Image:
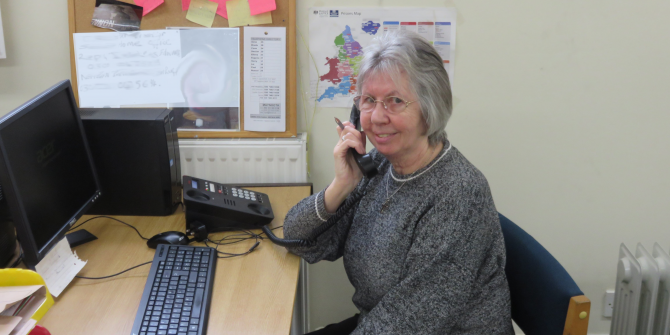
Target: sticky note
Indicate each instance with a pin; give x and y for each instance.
(148, 5)
(261, 6)
(202, 12)
(184, 4)
(221, 10)
(239, 14)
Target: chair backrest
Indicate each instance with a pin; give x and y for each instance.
(540, 287)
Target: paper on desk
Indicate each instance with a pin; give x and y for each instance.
(59, 267)
(10, 295)
(265, 78)
(261, 6)
(8, 323)
(202, 12)
(239, 14)
(16, 327)
(22, 310)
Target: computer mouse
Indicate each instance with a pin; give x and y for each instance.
(168, 237)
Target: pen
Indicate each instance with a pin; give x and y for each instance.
(339, 123)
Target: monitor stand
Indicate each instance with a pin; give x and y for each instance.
(79, 237)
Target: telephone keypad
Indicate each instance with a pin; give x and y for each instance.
(245, 194)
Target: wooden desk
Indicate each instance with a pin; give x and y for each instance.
(253, 294)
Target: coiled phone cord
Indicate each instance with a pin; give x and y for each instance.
(318, 231)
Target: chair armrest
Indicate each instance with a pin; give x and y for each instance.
(577, 320)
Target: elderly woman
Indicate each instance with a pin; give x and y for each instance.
(423, 246)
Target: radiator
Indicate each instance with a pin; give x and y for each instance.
(245, 160)
(642, 296)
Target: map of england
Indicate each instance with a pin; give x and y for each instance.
(338, 36)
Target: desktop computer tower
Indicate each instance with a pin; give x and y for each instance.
(136, 154)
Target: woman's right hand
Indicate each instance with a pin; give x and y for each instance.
(347, 173)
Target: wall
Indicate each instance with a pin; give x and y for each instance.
(38, 52)
(562, 105)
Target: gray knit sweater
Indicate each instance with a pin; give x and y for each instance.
(430, 261)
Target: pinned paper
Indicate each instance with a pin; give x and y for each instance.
(59, 266)
(185, 4)
(239, 14)
(261, 6)
(202, 12)
(221, 10)
(148, 5)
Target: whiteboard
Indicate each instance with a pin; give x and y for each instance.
(183, 68)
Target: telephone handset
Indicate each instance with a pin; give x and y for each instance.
(364, 162)
(367, 166)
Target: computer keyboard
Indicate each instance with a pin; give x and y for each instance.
(178, 292)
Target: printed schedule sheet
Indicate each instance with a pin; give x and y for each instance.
(265, 79)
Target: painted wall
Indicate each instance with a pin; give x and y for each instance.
(38, 49)
(562, 105)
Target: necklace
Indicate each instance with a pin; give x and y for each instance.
(388, 198)
(424, 171)
(387, 191)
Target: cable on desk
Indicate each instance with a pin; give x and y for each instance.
(263, 233)
(116, 274)
(111, 218)
(230, 255)
(234, 239)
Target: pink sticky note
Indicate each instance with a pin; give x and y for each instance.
(185, 4)
(261, 6)
(221, 10)
(149, 5)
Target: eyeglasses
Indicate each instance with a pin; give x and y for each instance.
(393, 105)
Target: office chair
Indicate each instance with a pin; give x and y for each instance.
(545, 299)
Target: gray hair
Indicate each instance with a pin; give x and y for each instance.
(395, 52)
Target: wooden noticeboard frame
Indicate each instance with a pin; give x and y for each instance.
(169, 14)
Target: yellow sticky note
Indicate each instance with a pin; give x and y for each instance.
(239, 14)
(202, 12)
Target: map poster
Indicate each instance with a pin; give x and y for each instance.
(337, 37)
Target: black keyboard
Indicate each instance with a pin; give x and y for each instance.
(178, 292)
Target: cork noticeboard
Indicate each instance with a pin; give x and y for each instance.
(170, 14)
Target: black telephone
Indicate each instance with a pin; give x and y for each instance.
(364, 162)
(212, 207)
(367, 166)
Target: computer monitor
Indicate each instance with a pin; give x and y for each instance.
(46, 170)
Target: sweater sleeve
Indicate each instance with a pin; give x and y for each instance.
(306, 216)
(452, 281)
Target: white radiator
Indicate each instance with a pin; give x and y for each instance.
(245, 160)
(642, 296)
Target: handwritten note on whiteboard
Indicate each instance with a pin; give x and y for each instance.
(128, 68)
